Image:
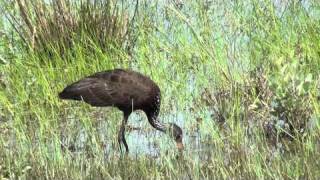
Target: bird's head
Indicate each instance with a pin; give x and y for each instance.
(175, 132)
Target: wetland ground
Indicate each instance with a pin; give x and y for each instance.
(240, 77)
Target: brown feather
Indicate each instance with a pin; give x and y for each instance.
(120, 88)
(127, 90)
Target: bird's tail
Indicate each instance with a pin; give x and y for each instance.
(64, 94)
(68, 93)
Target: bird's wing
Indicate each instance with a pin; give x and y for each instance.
(93, 91)
(106, 89)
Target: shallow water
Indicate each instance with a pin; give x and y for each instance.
(142, 139)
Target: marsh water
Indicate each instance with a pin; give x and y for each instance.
(46, 136)
(143, 140)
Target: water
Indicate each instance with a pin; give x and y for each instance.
(142, 138)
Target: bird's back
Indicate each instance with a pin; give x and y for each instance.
(121, 88)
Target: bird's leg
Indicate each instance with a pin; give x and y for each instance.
(121, 137)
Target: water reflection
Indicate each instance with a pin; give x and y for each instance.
(142, 139)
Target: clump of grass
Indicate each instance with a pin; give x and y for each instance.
(47, 26)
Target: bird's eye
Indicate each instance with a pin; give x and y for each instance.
(178, 137)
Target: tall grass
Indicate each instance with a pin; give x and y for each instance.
(241, 78)
(59, 25)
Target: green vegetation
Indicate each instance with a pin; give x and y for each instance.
(240, 77)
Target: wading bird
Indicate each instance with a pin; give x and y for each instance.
(128, 91)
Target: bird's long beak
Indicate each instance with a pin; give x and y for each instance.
(180, 146)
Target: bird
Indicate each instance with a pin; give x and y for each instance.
(128, 91)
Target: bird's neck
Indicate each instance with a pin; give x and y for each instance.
(153, 120)
(153, 112)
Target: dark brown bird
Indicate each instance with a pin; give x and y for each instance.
(128, 91)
